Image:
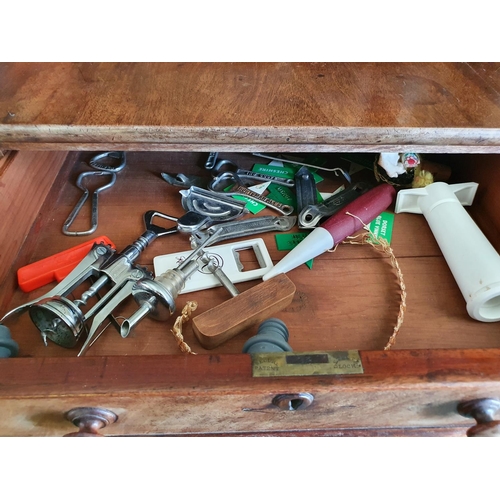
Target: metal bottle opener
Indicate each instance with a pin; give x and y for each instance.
(311, 215)
(305, 187)
(80, 183)
(225, 257)
(103, 166)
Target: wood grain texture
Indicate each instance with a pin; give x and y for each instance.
(489, 72)
(22, 194)
(248, 106)
(486, 206)
(348, 300)
(217, 394)
(243, 312)
(450, 431)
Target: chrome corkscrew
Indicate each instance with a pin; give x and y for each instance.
(63, 320)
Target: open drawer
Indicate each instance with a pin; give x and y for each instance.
(348, 301)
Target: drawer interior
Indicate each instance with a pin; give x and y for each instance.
(350, 298)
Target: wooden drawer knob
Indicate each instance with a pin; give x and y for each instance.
(483, 411)
(292, 402)
(89, 421)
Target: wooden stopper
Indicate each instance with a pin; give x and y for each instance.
(223, 322)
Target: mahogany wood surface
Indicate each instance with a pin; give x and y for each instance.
(349, 300)
(244, 311)
(217, 394)
(451, 431)
(250, 106)
(489, 72)
(219, 373)
(22, 193)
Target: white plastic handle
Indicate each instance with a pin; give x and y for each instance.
(473, 261)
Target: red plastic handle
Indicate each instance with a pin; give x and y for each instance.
(57, 266)
(366, 208)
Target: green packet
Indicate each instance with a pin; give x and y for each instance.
(253, 206)
(381, 226)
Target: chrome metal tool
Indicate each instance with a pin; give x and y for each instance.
(224, 173)
(64, 320)
(184, 180)
(80, 183)
(211, 160)
(312, 215)
(229, 170)
(242, 228)
(235, 187)
(218, 206)
(156, 297)
(105, 164)
(305, 187)
(110, 161)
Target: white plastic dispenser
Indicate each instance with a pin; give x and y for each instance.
(473, 261)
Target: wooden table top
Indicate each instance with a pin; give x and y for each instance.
(251, 106)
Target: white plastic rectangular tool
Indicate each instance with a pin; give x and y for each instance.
(227, 257)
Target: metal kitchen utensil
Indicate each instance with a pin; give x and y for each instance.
(242, 228)
(223, 173)
(312, 215)
(218, 206)
(103, 166)
(211, 161)
(156, 297)
(110, 161)
(63, 320)
(236, 188)
(80, 183)
(226, 256)
(224, 168)
(305, 189)
(184, 180)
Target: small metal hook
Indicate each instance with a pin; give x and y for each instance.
(83, 199)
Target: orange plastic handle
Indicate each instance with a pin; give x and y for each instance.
(57, 266)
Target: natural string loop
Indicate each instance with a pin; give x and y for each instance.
(177, 328)
(381, 245)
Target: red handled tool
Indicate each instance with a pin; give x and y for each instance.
(57, 266)
(337, 228)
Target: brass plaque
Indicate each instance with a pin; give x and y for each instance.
(290, 364)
